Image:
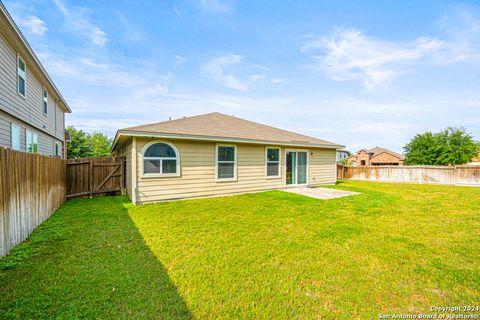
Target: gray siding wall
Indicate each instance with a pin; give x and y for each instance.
(45, 141)
(27, 111)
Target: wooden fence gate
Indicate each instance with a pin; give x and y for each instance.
(89, 177)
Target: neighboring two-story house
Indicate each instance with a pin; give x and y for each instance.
(32, 110)
(342, 154)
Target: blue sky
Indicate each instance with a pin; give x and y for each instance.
(359, 73)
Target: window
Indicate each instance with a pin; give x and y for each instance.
(15, 136)
(160, 158)
(226, 162)
(273, 162)
(45, 101)
(22, 77)
(56, 149)
(31, 140)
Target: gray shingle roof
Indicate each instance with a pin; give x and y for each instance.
(223, 126)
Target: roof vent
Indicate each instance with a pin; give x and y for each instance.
(301, 141)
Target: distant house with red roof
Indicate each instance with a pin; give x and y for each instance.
(377, 157)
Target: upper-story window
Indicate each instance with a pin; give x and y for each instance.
(56, 149)
(45, 101)
(161, 159)
(22, 76)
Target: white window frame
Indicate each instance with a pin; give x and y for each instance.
(34, 140)
(12, 126)
(160, 174)
(45, 101)
(56, 149)
(279, 174)
(234, 163)
(23, 75)
(309, 154)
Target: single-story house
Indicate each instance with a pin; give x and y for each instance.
(216, 154)
(376, 157)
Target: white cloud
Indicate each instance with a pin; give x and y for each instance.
(278, 80)
(132, 31)
(97, 36)
(348, 54)
(233, 72)
(61, 7)
(179, 60)
(78, 21)
(462, 29)
(177, 11)
(57, 65)
(217, 6)
(24, 16)
(33, 24)
(106, 74)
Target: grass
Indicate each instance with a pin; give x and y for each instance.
(394, 248)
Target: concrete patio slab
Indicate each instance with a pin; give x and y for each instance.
(320, 193)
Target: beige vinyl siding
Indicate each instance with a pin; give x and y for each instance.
(127, 153)
(322, 167)
(30, 108)
(45, 142)
(197, 173)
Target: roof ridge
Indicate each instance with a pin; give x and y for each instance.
(272, 127)
(217, 124)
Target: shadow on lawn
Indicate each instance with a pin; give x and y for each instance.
(87, 261)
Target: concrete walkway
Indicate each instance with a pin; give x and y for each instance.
(320, 193)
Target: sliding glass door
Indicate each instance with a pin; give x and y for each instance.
(296, 167)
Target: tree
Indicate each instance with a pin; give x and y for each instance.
(78, 146)
(451, 146)
(83, 144)
(100, 144)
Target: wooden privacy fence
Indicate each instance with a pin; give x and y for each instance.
(32, 187)
(457, 176)
(95, 176)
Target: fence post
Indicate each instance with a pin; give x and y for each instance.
(454, 175)
(90, 179)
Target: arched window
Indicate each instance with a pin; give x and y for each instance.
(161, 158)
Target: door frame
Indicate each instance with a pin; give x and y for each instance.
(307, 167)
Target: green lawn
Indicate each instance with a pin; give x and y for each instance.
(394, 248)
